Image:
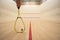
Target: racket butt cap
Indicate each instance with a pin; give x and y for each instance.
(18, 7)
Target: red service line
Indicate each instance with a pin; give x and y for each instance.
(30, 32)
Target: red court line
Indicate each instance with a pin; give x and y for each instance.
(30, 32)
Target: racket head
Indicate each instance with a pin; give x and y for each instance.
(19, 25)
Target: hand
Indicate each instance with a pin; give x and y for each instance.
(18, 3)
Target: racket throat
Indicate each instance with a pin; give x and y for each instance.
(18, 12)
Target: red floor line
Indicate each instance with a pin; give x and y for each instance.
(30, 32)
